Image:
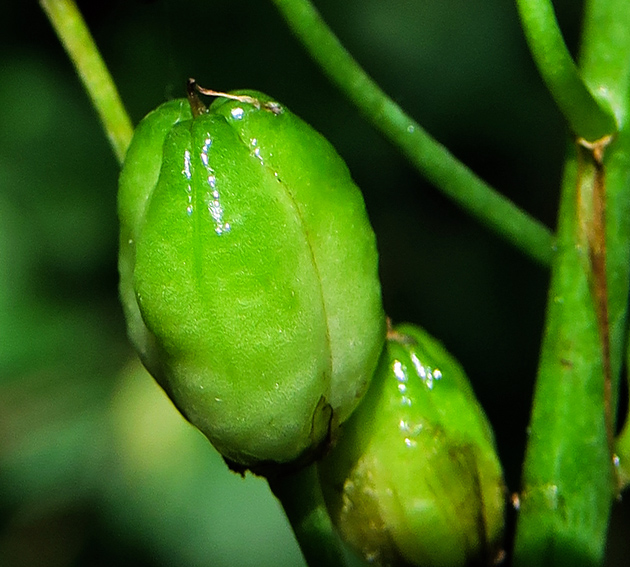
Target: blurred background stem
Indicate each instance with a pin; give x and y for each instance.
(427, 155)
(69, 25)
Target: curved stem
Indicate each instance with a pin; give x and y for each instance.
(69, 25)
(301, 497)
(432, 159)
(588, 117)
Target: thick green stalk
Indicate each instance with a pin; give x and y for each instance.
(605, 60)
(69, 25)
(569, 480)
(432, 159)
(605, 66)
(301, 497)
(618, 276)
(588, 117)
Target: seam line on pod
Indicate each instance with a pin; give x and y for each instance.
(305, 232)
(315, 266)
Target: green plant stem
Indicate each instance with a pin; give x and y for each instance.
(588, 116)
(569, 481)
(432, 159)
(567, 476)
(605, 62)
(301, 497)
(605, 54)
(618, 267)
(69, 25)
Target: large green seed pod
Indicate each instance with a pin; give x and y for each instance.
(249, 274)
(414, 478)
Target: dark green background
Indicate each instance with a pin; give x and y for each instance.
(96, 469)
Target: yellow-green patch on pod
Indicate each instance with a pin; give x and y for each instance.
(249, 275)
(414, 478)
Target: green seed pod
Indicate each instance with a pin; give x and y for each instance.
(414, 478)
(249, 274)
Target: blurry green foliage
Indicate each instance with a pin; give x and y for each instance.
(96, 468)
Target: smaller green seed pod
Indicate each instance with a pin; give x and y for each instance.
(248, 275)
(414, 478)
